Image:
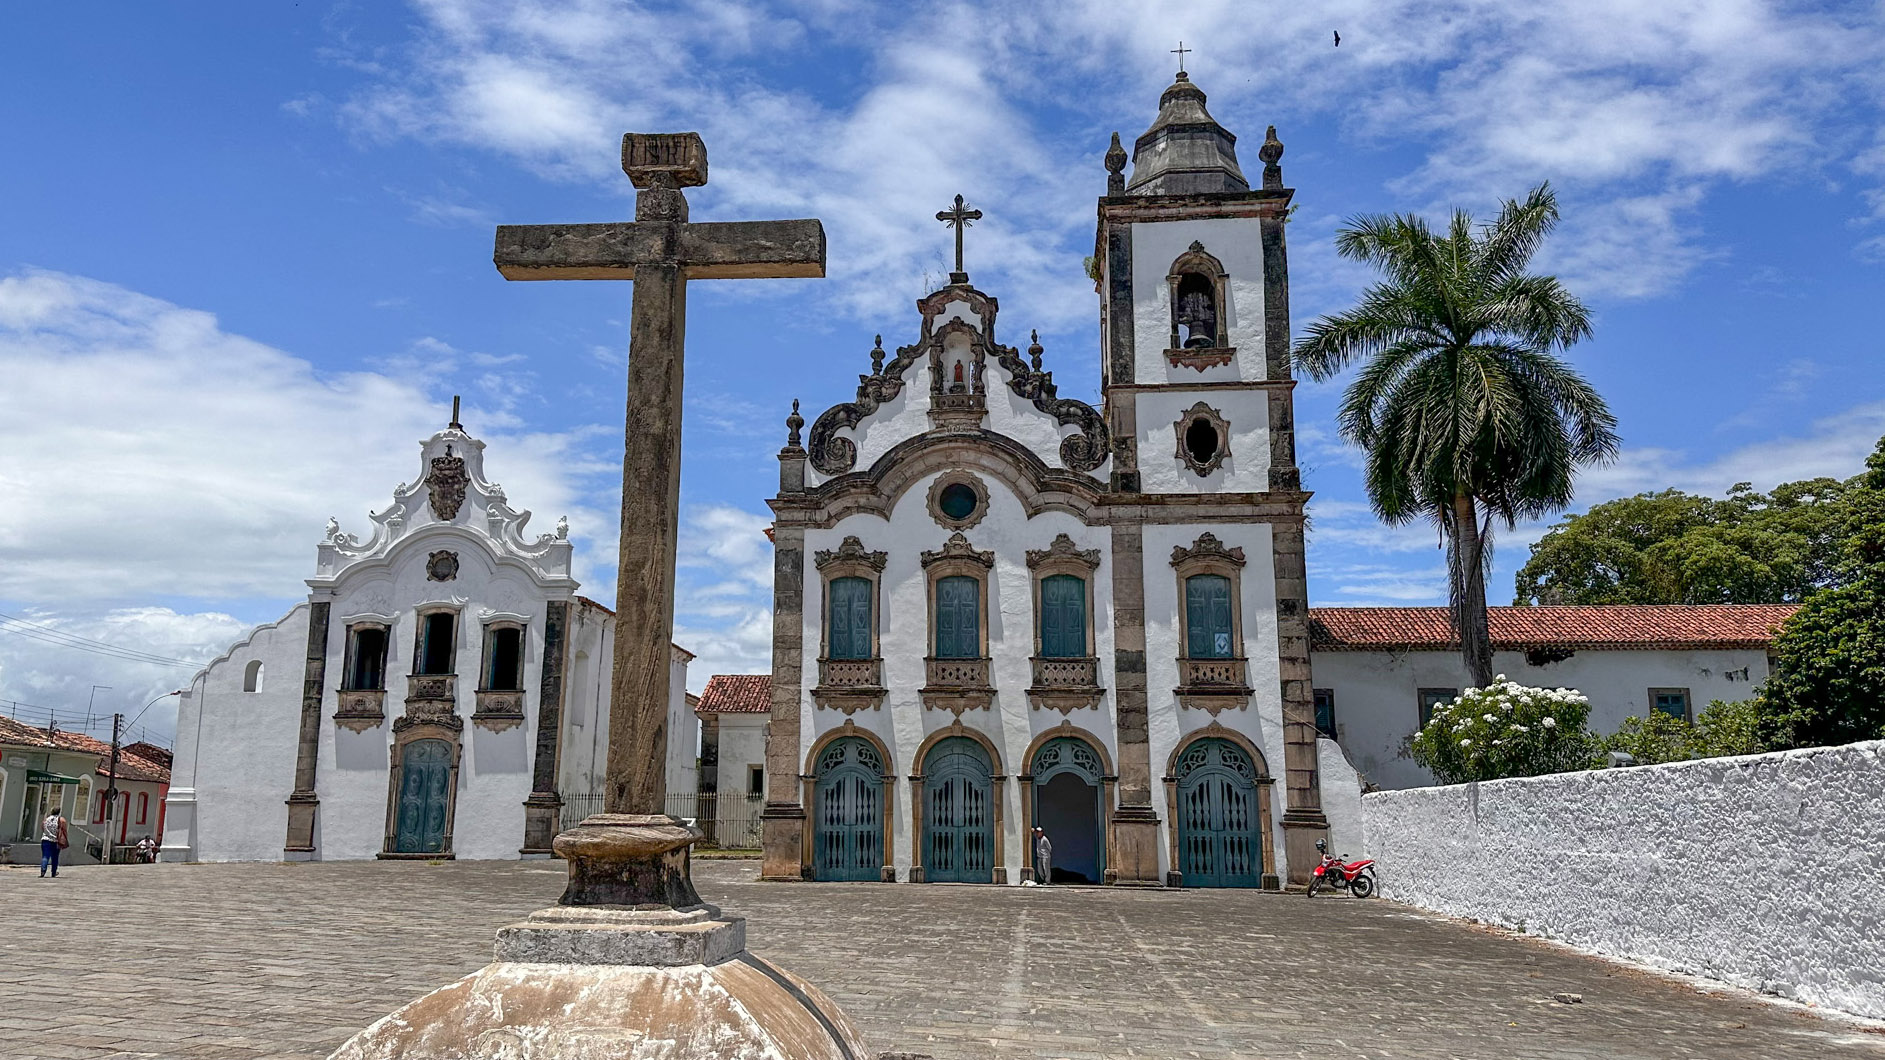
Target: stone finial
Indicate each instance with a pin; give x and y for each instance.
(562, 528)
(792, 424)
(1271, 153)
(1034, 348)
(877, 357)
(1116, 168)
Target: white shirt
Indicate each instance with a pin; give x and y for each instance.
(49, 828)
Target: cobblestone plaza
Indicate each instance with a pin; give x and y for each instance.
(220, 962)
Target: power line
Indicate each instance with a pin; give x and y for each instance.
(60, 638)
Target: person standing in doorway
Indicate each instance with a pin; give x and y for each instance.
(1043, 857)
(52, 839)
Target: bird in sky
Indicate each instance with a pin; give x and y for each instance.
(1338, 38)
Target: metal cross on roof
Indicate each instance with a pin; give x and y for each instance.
(958, 219)
(1180, 52)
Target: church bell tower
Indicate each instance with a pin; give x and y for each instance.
(1194, 286)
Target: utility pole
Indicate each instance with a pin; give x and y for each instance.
(111, 782)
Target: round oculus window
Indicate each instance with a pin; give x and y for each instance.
(958, 501)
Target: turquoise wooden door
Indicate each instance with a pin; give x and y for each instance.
(425, 788)
(1063, 617)
(1068, 806)
(850, 621)
(958, 618)
(959, 818)
(1220, 842)
(848, 816)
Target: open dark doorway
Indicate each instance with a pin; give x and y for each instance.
(1068, 807)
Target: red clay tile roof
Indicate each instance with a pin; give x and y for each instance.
(131, 765)
(1589, 628)
(736, 694)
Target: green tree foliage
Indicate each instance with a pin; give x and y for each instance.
(1680, 548)
(1506, 730)
(1827, 685)
(1721, 729)
(1467, 414)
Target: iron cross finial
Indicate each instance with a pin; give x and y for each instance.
(958, 219)
(1180, 52)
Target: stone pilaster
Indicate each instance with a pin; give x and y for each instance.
(303, 802)
(783, 819)
(1135, 825)
(543, 810)
(1303, 820)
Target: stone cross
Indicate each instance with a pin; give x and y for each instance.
(660, 251)
(958, 219)
(1180, 52)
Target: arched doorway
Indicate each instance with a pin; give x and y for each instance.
(1220, 821)
(958, 813)
(425, 789)
(1068, 807)
(848, 812)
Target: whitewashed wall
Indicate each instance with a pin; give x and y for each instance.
(1377, 706)
(1237, 242)
(903, 630)
(1167, 722)
(742, 746)
(1245, 470)
(1766, 871)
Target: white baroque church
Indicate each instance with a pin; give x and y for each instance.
(442, 692)
(997, 608)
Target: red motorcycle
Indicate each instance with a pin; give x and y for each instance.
(1355, 877)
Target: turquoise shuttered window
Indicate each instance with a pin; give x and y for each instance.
(958, 618)
(1208, 617)
(1063, 617)
(850, 619)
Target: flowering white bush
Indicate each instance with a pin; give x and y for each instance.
(1506, 730)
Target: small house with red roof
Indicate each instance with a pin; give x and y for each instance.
(1379, 671)
(43, 768)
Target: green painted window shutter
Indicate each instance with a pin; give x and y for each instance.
(1063, 617)
(1208, 617)
(958, 618)
(850, 618)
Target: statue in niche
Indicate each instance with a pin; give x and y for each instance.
(957, 386)
(1197, 311)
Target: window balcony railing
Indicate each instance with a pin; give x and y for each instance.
(1065, 685)
(956, 685)
(850, 673)
(431, 686)
(1214, 684)
(361, 708)
(1066, 673)
(850, 685)
(498, 709)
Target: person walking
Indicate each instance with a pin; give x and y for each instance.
(52, 839)
(1043, 857)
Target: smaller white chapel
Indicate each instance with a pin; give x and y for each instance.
(443, 692)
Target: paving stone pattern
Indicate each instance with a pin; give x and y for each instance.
(219, 962)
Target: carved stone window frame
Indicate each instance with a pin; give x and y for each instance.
(957, 558)
(850, 560)
(360, 709)
(1202, 411)
(1063, 557)
(1047, 692)
(1208, 555)
(425, 611)
(498, 709)
(953, 478)
(1198, 261)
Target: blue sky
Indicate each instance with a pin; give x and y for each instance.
(245, 260)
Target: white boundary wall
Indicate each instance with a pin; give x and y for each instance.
(1766, 871)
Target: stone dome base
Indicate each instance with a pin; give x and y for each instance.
(742, 1008)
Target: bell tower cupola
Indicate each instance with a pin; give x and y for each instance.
(1185, 151)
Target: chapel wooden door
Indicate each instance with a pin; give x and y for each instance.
(1219, 839)
(425, 788)
(848, 816)
(959, 820)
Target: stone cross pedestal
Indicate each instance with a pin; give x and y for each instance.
(630, 964)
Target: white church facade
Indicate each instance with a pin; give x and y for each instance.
(443, 692)
(997, 608)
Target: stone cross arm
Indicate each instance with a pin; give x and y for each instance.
(704, 250)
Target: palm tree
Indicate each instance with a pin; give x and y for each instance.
(1466, 412)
